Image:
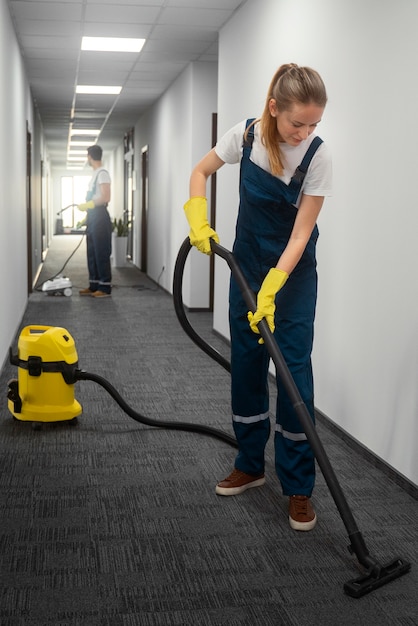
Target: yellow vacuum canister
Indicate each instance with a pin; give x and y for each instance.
(44, 390)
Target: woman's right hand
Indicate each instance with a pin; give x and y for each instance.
(196, 210)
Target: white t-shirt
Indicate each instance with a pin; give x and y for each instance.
(100, 176)
(318, 179)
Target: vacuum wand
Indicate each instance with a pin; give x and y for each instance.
(377, 575)
(65, 208)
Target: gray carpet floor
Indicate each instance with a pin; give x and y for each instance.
(109, 522)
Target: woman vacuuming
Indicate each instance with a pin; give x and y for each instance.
(284, 177)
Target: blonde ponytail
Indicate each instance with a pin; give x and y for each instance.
(290, 85)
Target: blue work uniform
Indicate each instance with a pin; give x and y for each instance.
(265, 221)
(99, 245)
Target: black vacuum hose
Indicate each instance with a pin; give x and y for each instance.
(179, 308)
(180, 311)
(196, 428)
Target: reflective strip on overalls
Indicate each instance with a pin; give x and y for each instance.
(265, 221)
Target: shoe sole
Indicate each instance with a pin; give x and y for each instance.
(302, 525)
(235, 491)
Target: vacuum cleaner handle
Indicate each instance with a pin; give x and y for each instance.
(263, 327)
(65, 208)
(247, 293)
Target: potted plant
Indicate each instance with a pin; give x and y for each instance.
(120, 227)
(119, 242)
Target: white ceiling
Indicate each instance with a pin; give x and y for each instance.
(49, 34)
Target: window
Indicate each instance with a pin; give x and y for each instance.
(73, 192)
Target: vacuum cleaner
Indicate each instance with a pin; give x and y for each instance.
(44, 390)
(47, 363)
(48, 369)
(59, 286)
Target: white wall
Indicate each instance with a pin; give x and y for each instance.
(365, 356)
(15, 110)
(178, 132)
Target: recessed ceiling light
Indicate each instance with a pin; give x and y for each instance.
(98, 89)
(84, 131)
(79, 144)
(112, 44)
(75, 158)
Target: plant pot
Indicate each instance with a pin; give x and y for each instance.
(119, 251)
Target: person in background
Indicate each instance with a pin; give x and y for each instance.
(99, 228)
(285, 174)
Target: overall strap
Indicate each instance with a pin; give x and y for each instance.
(300, 172)
(248, 137)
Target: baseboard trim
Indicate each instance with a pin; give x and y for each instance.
(398, 478)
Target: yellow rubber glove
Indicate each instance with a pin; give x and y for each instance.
(84, 206)
(266, 305)
(196, 210)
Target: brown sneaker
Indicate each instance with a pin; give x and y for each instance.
(301, 513)
(85, 292)
(238, 482)
(101, 294)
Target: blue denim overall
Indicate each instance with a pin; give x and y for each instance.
(265, 221)
(99, 245)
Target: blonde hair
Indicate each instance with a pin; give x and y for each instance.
(290, 85)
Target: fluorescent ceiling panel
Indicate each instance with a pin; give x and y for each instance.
(79, 144)
(98, 89)
(112, 44)
(84, 131)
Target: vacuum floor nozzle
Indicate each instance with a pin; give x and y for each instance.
(370, 581)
